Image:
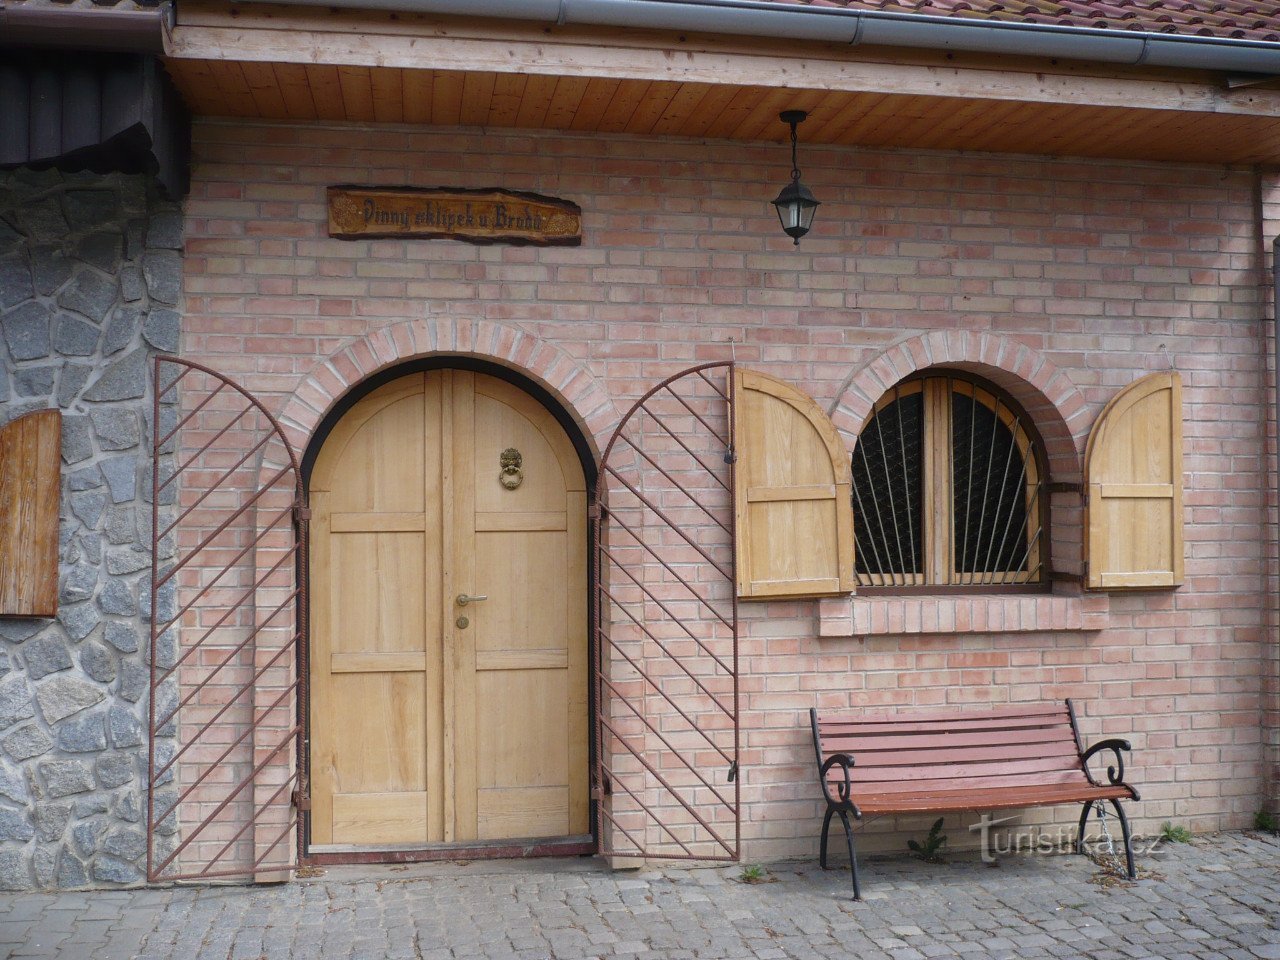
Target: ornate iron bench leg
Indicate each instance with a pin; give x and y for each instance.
(853, 857)
(1128, 840)
(826, 829)
(1084, 823)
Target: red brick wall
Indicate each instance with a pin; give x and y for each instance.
(1099, 272)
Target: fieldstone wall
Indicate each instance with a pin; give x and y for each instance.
(90, 277)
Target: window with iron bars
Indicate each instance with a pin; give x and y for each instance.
(948, 489)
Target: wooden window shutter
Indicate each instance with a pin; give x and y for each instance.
(793, 500)
(30, 485)
(1133, 474)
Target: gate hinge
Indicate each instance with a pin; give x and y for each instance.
(300, 800)
(733, 771)
(595, 511)
(302, 514)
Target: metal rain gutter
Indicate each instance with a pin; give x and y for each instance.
(84, 28)
(855, 27)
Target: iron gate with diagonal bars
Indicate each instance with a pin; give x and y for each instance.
(227, 715)
(227, 763)
(666, 626)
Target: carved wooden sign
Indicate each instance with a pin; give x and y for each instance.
(476, 216)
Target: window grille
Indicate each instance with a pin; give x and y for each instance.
(947, 489)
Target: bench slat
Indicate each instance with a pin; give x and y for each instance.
(828, 728)
(889, 760)
(1004, 798)
(950, 715)
(844, 743)
(879, 779)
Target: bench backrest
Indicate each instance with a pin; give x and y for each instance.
(1011, 746)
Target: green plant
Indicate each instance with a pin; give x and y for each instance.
(1174, 834)
(1266, 821)
(930, 850)
(754, 874)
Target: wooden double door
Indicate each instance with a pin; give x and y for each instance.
(449, 621)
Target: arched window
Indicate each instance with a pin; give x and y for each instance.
(948, 488)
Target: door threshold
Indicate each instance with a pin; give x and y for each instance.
(333, 854)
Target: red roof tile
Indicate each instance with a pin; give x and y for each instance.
(1223, 19)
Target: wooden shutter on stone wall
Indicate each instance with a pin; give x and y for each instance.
(1133, 475)
(793, 501)
(30, 484)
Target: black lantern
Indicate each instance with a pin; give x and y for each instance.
(796, 205)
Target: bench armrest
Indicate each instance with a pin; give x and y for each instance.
(844, 790)
(1115, 774)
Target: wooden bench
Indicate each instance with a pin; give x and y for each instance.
(948, 761)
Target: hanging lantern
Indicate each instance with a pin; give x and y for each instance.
(795, 203)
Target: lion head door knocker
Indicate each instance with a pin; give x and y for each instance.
(512, 474)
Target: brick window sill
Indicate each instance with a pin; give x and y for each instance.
(882, 616)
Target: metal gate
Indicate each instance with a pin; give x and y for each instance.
(227, 715)
(665, 630)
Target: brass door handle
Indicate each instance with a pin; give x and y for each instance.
(463, 599)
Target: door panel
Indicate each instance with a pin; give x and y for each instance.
(436, 721)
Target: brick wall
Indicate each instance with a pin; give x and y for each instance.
(1098, 272)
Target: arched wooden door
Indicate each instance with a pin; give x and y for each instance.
(436, 718)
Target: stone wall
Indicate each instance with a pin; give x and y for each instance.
(90, 274)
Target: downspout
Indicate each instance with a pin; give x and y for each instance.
(778, 21)
(86, 28)
(1273, 707)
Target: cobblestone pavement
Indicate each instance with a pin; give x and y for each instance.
(1215, 897)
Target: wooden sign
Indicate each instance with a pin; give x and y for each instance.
(475, 216)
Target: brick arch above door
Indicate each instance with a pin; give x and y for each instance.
(579, 391)
(1056, 407)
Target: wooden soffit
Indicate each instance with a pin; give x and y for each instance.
(309, 64)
